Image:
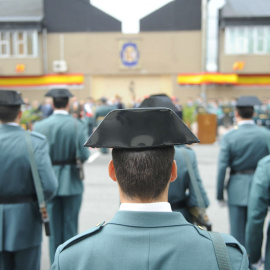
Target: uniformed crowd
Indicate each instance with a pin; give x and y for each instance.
(161, 192)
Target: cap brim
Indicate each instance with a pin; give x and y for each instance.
(141, 128)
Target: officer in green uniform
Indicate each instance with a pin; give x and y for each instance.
(259, 201)
(20, 220)
(66, 136)
(101, 111)
(240, 150)
(181, 195)
(144, 233)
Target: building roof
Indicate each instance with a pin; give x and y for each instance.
(178, 15)
(246, 8)
(21, 10)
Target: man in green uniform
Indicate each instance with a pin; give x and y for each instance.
(144, 233)
(259, 201)
(240, 150)
(66, 136)
(20, 220)
(181, 196)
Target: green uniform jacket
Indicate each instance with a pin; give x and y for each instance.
(20, 224)
(145, 240)
(62, 135)
(240, 149)
(259, 201)
(181, 189)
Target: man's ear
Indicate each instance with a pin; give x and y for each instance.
(174, 171)
(112, 171)
(19, 116)
(68, 105)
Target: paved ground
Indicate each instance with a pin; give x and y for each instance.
(101, 199)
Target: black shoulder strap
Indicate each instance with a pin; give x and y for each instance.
(37, 184)
(221, 251)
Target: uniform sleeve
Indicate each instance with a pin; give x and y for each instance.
(223, 163)
(257, 211)
(46, 172)
(83, 151)
(192, 200)
(55, 265)
(238, 257)
(237, 253)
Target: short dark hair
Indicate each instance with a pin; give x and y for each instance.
(143, 173)
(9, 113)
(60, 102)
(245, 112)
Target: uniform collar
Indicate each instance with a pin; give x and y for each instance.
(12, 124)
(60, 112)
(148, 219)
(7, 126)
(244, 122)
(146, 207)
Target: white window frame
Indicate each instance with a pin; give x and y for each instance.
(256, 39)
(5, 42)
(233, 45)
(15, 49)
(229, 31)
(35, 43)
(241, 43)
(17, 43)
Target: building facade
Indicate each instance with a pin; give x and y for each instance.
(50, 43)
(75, 44)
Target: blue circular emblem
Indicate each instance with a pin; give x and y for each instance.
(130, 54)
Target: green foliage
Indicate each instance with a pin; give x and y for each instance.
(30, 116)
(189, 114)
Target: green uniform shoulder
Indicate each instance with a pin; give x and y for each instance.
(232, 131)
(264, 160)
(187, 147)
(40, 123)
(38, 135)
(80, 122)
(74, 240)
(228, 239)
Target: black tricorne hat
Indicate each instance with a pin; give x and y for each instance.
(59, 93)
(141, 128)
(248, 101)
(10, 98)
(158, 101)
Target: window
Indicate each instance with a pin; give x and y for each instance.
(247, 40)
(4, 44)
(260, 40)
(19, 44)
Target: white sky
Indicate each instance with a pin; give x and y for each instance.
(129, 12)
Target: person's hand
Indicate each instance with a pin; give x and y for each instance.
(222, 203)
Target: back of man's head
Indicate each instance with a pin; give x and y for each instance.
(60, 102)
(9, 113)
(144, 173)
(245, 112)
